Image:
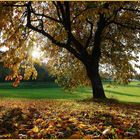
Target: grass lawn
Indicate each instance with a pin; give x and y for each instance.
(125, 93)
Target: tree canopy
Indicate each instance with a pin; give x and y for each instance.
(77, 37)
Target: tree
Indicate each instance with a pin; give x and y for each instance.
(137, 76)
(88, 30)
(3, 73)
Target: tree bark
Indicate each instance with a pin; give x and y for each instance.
(96, 83)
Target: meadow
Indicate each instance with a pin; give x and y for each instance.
(41, 90)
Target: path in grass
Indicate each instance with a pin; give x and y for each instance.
(128, 93)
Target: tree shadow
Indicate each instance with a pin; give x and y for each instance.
(138, 85)
(121, 93)
(111, 102)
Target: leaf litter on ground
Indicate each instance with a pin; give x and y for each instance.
(56, 119)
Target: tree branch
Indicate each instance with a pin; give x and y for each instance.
(67, 11)
(96, 52)
(80, 13)
(57, 9)
(125, 26)
(90, 35)
(62, 11)
(46, 16)
(73, 51)
(29, 25)
(63, 45)
(114, 14)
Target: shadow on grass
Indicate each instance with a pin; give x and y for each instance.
(110, 102)
(138, 85)
(121, 93)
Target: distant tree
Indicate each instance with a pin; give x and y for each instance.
(86, 34)
(137, 76)
(43, 75)
(3, 72)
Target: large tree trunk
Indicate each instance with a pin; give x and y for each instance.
(92, 65)
(96, 83)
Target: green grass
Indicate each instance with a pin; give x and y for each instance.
(36, 91)
(125, 93)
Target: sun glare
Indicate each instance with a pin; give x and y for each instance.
(4, 49)
(36, 54)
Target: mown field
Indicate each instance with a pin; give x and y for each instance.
(125, 93)
(34, 110)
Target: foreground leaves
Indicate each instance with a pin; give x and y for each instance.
(68, 119)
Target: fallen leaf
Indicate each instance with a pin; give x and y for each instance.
(35, 129)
